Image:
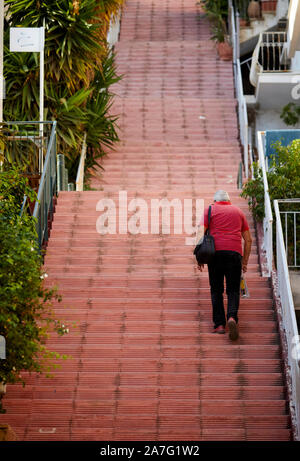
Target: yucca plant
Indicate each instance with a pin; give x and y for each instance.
(101, 123)
(21, 72)
(72, 47)
(78, 72)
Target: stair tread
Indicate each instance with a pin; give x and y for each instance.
(143, 361)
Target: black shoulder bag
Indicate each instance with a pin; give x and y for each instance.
(205, 248)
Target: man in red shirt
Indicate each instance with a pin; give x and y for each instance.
(228, 225)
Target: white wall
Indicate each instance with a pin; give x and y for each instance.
(293, 33)
(282, 9)
(295, 62)
(270, 120)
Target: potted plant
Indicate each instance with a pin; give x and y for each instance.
(217, 12)
(242, 7)
(222, 40)
(254, 9)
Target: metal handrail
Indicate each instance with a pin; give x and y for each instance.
(47, 187)
(23, 205)
(47, 190)
(288, 316)
(268, 216)
(233, 23)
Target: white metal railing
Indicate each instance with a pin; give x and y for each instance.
(80, 171)
(251, 158)
(233, 23)
(268, 218)
(290, 227)
(288, 317)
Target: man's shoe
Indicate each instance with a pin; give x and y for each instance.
(220, 330)
(233, 329)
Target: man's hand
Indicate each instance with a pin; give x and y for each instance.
(247, 248)
(200, 267)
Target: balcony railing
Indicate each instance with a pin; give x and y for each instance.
(271, 53)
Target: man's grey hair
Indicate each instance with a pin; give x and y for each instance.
(221, 196)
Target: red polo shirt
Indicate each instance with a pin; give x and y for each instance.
(227, 223)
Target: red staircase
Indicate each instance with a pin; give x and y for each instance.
(145, 364)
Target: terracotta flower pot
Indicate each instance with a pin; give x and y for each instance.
(253, 10)
(224, 51)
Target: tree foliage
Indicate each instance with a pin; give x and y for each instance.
(283, 178)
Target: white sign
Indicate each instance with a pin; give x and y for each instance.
(27, 39)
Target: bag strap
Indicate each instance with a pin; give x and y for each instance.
(209, 217)
(209, 214)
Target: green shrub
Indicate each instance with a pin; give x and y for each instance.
(253, 190)
(26, 317)
(283, 178)
(290, 114)
(284, 183)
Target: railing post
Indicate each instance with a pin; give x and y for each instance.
(237, 33)
(81, 166)
(66, 178)
(268, 219)
(60, 172)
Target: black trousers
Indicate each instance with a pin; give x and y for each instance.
(226, 264)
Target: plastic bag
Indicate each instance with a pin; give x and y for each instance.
(244, 288)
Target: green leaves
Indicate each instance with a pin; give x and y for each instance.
(254, 191)
(290, 114)
(21, 72)
(217, 12)
(25, 315)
